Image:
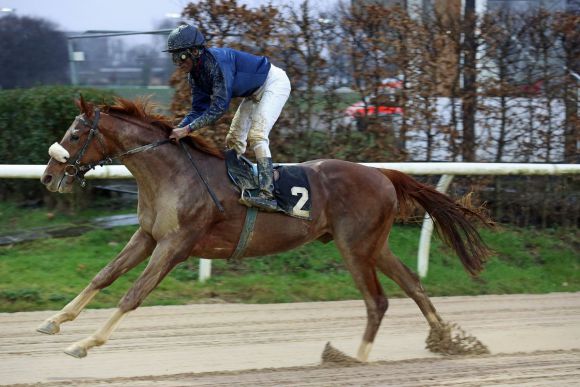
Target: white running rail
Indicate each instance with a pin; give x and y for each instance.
(447, 170)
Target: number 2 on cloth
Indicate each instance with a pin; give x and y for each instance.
(297, 209)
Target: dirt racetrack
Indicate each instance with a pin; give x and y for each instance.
(534, 341)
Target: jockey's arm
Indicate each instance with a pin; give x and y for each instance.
(219, 102)
(199, 104)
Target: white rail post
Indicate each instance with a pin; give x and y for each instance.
(204, 269)
(427, 231)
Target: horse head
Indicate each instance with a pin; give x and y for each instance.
(96, 138)
(82, 147)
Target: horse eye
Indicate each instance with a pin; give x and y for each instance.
(74, 135)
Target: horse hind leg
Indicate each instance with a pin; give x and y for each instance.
(440, 339)
(365, 277)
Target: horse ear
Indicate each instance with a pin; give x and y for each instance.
(85, 107)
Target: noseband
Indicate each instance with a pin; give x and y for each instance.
(77, 169)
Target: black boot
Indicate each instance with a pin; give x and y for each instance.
(265, 200)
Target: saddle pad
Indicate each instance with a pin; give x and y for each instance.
(291, 187)
(292, 190)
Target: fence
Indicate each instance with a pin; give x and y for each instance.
(446, 170)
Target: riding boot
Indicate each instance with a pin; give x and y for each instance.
(265, 200)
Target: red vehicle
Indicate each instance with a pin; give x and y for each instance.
(357, 109)
(387, 105)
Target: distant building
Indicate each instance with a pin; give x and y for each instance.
(108, 61)
(526, 5)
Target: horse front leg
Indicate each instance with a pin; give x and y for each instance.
(166, 255)
(136, 251)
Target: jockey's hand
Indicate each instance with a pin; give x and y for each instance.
(178, 133)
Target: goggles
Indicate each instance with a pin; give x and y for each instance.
(180, 56)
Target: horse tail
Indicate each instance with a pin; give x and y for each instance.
(453, 221)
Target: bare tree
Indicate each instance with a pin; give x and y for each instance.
(502, 56)
(567, 30)
(543, 44)
(370, 44)
(305, 62)
(469, 81)
(33, 53)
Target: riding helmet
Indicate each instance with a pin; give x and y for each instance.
(184, 36)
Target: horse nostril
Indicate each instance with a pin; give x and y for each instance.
(46, 179)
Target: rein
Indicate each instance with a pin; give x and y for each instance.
(77, 169)
(211, 193)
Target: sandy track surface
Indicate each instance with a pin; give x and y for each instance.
(534, 340)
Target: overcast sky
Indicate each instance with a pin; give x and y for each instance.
(82, 15)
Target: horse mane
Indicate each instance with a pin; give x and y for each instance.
(143, 110)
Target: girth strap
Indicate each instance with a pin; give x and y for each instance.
(247, 232)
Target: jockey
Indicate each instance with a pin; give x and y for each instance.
(216, 75)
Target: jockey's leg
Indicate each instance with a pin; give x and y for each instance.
(268, 109)
(265, 200)
(238, 134)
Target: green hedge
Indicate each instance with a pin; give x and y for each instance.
(30, 121)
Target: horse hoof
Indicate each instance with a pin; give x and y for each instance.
(76, 351)
(48, 327)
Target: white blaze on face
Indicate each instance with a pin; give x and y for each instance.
(57, 152)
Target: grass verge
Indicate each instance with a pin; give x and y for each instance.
(46, 274)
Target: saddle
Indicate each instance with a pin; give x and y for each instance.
(291, 185)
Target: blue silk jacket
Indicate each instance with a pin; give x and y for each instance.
(222, 74)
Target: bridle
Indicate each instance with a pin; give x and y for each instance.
(77, 169)
(74, 167)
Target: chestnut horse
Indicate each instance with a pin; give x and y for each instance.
(353, 205)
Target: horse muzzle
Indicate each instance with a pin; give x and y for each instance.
(62, 182)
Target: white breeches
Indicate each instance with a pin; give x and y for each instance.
(257, 114)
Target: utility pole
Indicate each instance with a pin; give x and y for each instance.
(74, 80)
